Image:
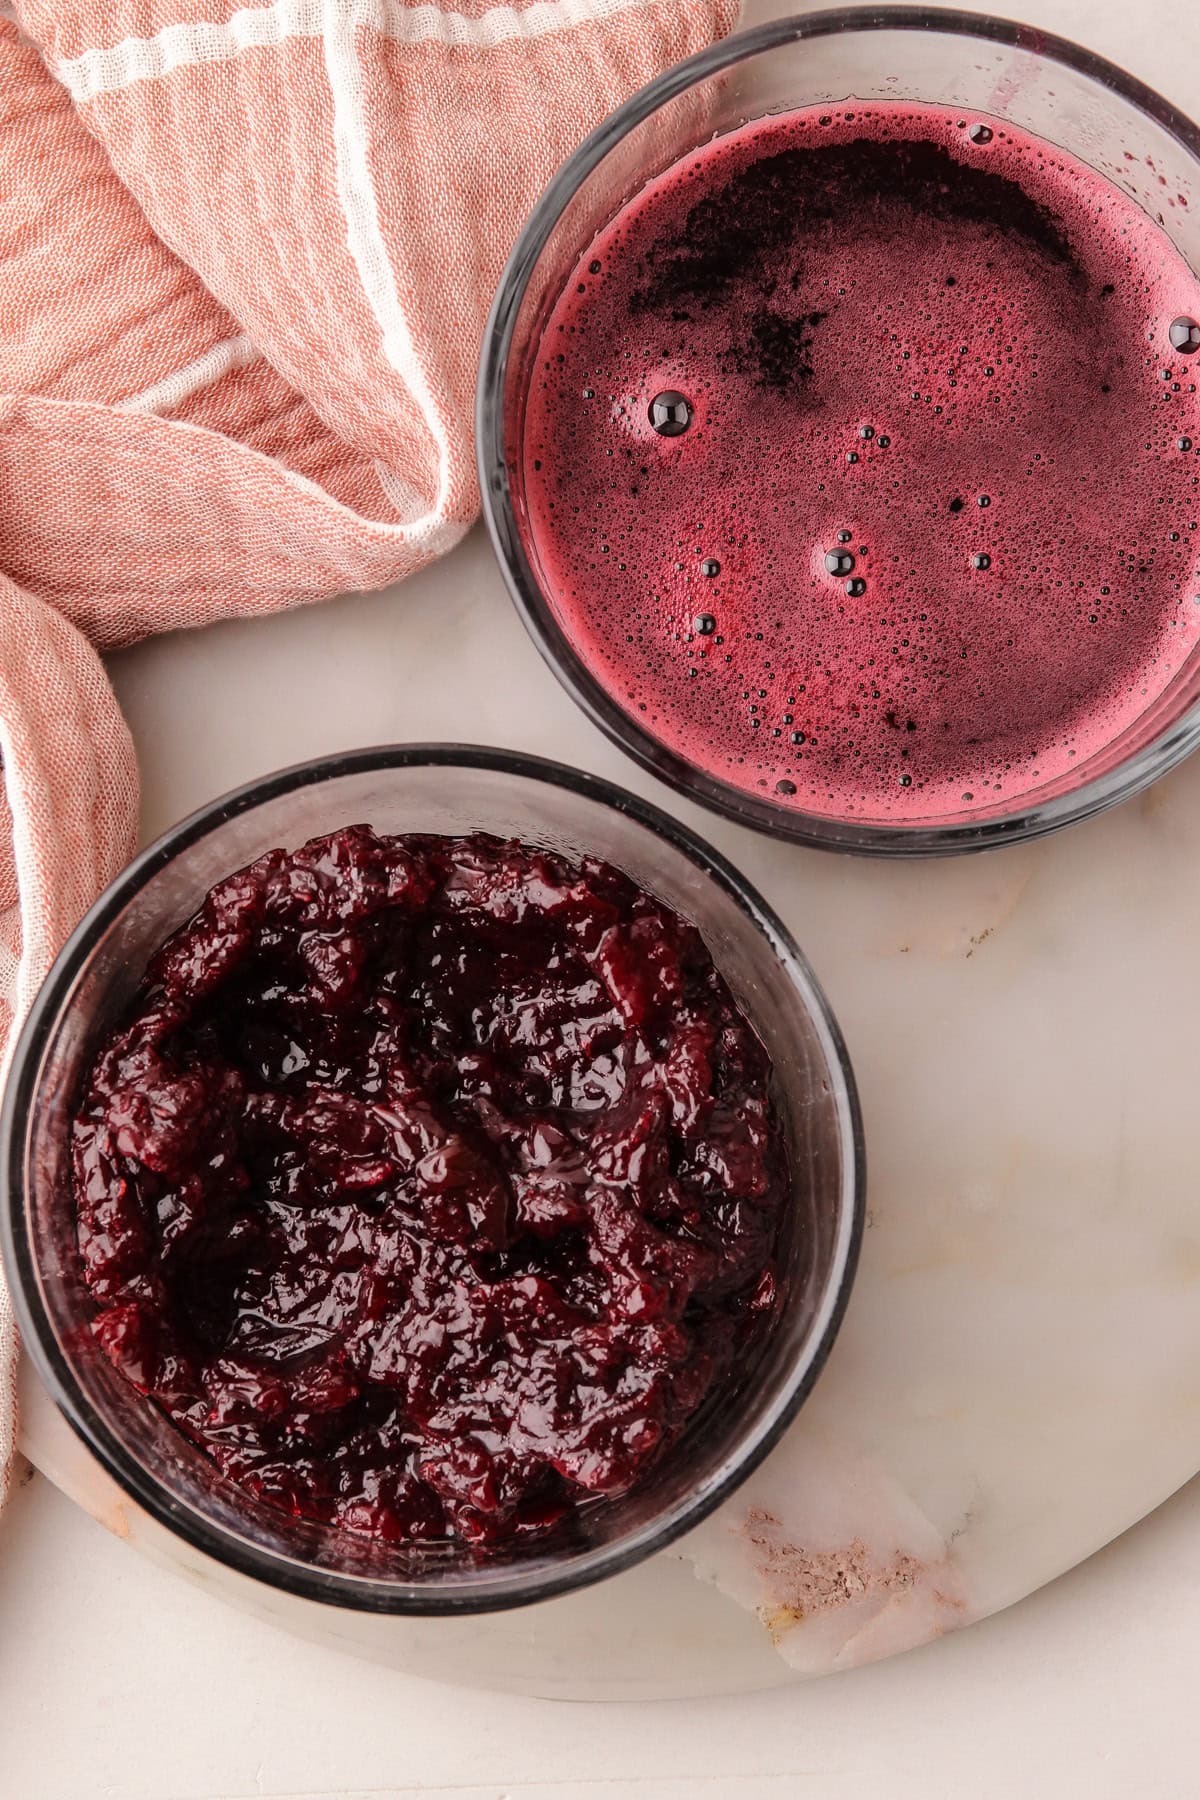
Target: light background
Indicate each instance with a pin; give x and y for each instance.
(120, 1682)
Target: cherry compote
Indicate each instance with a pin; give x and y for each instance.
(430, 1185)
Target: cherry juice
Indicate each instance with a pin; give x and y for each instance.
(862, 461)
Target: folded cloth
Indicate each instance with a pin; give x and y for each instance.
(245, 260)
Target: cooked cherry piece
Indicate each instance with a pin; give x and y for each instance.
(431, 1185)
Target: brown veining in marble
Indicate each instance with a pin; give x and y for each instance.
(805, 1583)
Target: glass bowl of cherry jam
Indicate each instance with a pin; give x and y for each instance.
(432, 1180)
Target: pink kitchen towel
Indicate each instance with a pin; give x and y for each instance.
(245, 259)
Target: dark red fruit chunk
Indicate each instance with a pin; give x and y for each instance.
(430, 1185)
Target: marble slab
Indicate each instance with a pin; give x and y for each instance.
(1018, 1377)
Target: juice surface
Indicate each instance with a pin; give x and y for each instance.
(921, 532)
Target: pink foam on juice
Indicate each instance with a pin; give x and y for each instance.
(929, 541)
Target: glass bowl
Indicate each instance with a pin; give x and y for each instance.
(449, 790)
(961, 60)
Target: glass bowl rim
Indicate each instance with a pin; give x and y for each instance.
(308, 1580)
(1128, 777)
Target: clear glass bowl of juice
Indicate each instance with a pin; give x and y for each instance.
(837, 430)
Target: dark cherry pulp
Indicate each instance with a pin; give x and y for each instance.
(431, 1184)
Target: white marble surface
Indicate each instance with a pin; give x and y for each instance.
(120, 1682)
(1017, 1380)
